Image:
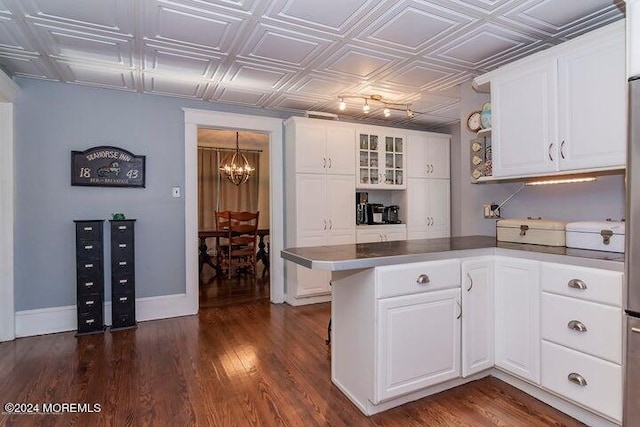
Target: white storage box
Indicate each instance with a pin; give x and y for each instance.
(531, 231)
(597, 235)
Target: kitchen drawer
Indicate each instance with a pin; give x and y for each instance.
(88, 249)
(585, 283)
(602, 391)
(405, 279)
(602, 334)
(89, 230)
(89, 303)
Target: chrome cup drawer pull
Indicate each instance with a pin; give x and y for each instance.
(577, 284)
(577, 378)
(577, 326)
(423, 279)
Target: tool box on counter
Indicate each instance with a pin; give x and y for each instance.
(596, 235)
(531, 231)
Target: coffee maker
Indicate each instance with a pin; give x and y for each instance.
(391, 214)
(362, 198)
(374, 213)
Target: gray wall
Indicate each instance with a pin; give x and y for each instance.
(51, 120)
(570, 202)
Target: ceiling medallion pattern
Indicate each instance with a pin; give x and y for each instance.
(290, 55)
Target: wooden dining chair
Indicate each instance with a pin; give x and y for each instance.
(239, 248)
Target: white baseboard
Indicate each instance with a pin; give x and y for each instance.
(62, 319)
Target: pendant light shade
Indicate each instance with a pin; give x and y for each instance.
(236, 167)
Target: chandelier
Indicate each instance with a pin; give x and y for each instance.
(236, 167)
(377, 100)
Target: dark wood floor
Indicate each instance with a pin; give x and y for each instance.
(220, 291)
(237, 365)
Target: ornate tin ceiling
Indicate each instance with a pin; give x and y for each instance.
(288, 55)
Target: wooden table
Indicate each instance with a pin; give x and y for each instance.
(205, 258)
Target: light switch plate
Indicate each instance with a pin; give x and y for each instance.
(175, 192)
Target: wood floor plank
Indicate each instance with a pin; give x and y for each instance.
(232, 365)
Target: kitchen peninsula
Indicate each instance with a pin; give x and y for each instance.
(413, 318)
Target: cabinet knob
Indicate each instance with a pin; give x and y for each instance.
(577, 379)
(423, 279)
(577, 326)
(577, 284)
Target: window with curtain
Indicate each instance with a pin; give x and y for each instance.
(217, 193)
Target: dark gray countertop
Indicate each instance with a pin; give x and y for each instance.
(366, 255)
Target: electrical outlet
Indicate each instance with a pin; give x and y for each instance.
(175, 192)
(491, 211)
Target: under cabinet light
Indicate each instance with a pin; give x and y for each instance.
(562, 181)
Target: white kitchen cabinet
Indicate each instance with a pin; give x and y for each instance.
(418, 342)
(319, 190)
(593, 105)
(582, 336)
(517, 317)
(321, 148)
(381, 158)
(428, 155)
(563, 109)
(478, 315)
(381, 233)
(325, 215)
(523, 107)
(428, 208)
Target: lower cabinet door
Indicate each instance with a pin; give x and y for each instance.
(418, 342)
(312, 282)
(517, 317)
(477, 320)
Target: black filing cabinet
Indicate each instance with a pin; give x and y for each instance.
(123, 277)
(90, 276)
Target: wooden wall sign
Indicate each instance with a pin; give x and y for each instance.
(106, 166)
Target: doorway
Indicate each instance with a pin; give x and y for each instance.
(195, 119)
(216, 193)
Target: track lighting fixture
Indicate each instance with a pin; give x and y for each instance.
(388, 105)
(410, 113)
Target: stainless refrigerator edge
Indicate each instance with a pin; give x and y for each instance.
(632, 260)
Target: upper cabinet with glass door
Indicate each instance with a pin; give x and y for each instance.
(380, 159)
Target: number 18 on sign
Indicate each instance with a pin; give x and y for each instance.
(107, 167)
